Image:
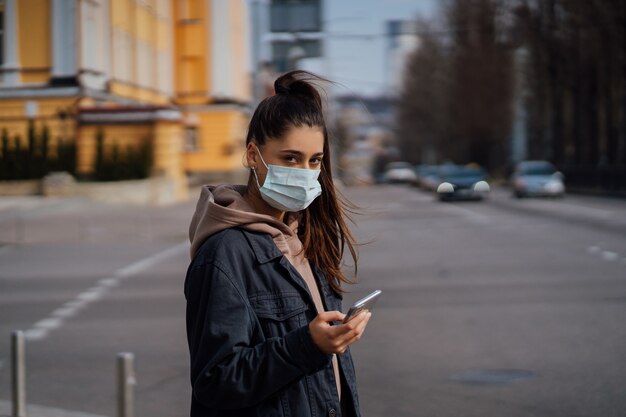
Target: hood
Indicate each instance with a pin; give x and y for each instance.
(461, 181)
(223, 207)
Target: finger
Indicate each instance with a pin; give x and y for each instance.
(343, 330)
(361, 327)
(329, 316)
(357, 315)
(356, 320)
(357, 333)
(350, 342)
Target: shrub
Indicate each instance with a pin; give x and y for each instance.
(117, 165)
(35, 161)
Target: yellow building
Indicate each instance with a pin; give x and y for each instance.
(174, 72)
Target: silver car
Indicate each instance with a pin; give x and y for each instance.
(399, 172)
(537, 178)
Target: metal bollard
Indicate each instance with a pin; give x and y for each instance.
(18, 373)
(125, 385)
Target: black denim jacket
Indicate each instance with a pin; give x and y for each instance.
(251, 352)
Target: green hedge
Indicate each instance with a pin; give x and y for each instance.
(19, 162)
(113, 164)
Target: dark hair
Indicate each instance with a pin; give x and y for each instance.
(323, 229)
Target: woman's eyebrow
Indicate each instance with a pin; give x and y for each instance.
(295, 152)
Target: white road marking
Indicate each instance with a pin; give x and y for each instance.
(48, 324)
(75, 304)
(64, 312)
(42, 328)
(606, 255)
(91, 295)
(609, 256)
(35, 334)
(146, 263)
(109, 282)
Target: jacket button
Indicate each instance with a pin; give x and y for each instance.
(332, 413)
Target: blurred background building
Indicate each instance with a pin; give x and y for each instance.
(285, 32)
(485, 82)
(172, 74)
(402, 41)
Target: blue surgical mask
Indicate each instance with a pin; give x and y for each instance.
(289, 189)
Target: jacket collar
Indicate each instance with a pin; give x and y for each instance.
(265, 250)
(263, 246)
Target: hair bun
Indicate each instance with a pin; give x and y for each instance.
(280, 88)
(301, 84)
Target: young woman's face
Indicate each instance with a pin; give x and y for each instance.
(301, 147)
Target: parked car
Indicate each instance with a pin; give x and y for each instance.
(537, 178)
(462, 182)
(428, 177)
(399, 172)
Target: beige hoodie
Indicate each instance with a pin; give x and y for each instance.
(223, 207)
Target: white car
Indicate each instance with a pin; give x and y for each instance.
(399, 172)
(537, 178)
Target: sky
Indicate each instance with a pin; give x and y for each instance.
(358, 63)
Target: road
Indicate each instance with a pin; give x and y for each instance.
(497, 308)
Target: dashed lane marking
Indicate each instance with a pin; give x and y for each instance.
(146, 263)
(606, 255)
(609, 256)
(42, 328)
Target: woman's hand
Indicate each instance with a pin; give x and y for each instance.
(336, 339)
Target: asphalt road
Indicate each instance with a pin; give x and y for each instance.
(497, 308)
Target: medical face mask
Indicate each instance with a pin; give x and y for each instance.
(289, 189)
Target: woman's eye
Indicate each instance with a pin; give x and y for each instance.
(316, 161)
(291, 159)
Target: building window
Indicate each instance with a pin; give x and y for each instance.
(191, 139)
(296, 16)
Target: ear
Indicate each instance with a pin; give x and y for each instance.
(251, 155)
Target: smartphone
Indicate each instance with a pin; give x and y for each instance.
(365, 303)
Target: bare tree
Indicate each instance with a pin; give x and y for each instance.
(421, 108)
(457, 99)
(577, 98)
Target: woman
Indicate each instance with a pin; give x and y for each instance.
(264, 286)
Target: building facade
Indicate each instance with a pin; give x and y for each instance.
(171, 72)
